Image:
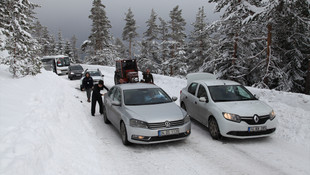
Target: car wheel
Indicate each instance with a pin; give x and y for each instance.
(105, 117)
(124, 134)
(214, 129)
(183, 106)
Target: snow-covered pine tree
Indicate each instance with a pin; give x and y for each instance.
(164, 38)
(22, 47)
(120, 48)
(199, 42)
(177, 63)
(75, 51)
(68, 50)
(60, 45)
(149, 57)
(290, 22)
(99, 47)
(129, 31)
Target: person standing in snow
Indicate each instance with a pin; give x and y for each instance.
(96, 97)
(87, 84)
(148, 77)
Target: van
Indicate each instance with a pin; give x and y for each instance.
(57, 63)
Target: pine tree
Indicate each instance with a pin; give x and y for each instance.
(120, 48)
(100, 37)
(22, 47)
(177, 43)
(129, 31)
(75, 51)
(199, 41)
(164, 38)
(60, 46)
(149, 52)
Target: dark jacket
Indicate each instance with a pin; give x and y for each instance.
(148, 78)
(96, 91)
(87, 82)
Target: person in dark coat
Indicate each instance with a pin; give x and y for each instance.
(148, 77)
(87, 85)
(96, 96)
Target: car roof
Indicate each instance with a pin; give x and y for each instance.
(217, 82)
(129, 86)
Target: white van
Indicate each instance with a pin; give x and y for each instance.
(56, 63)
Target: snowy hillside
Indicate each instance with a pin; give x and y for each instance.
(46, 129)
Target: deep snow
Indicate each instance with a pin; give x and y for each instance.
(46, 128)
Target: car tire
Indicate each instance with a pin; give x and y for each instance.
(105, 117)
(214, 129)
(124, 134)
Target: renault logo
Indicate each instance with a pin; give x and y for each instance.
(167, 124)
(256, 118)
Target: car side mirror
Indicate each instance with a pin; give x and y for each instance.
(116, 103)
(203, 99)
(256, 96)
(174, 98)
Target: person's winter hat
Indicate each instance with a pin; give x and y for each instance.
(100, 82)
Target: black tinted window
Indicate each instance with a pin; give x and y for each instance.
(192, 88)
(202, 92)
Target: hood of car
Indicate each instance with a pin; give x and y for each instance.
(97, 78)
(245, 108)
(156, 113)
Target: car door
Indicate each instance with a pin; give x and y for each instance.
(190, 99)
(115, 110)
(202, 106)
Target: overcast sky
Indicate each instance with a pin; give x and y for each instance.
(71, 16)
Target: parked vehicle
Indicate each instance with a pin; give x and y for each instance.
(57, 63)
(95, 74)
(75, 72)
(126, 71)
(227, 108)
(145, 114)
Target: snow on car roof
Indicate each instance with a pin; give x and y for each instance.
(217, 82)
(136, 86)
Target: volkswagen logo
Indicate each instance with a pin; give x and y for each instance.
(256, 118)
(167, 124)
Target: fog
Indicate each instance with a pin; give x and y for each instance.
(71, 16)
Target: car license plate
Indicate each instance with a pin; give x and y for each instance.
(257, 128)
(168, 132)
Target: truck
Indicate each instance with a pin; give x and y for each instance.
(126, 71)
(56, 63)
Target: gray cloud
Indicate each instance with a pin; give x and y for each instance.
(71, 16)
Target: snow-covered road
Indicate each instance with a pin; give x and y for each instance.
(46, 128)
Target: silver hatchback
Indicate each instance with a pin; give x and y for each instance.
(144, 113)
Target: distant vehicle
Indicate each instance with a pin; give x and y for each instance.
(57, 63)
(75, 72)
(145, 114)
(126, 71)
(227, 108)
(95, 74)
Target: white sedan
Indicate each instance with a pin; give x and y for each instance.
(227, 108)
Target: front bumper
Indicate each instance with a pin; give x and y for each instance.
(150, 136)
(241, 130)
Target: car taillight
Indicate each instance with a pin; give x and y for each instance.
(180, 91)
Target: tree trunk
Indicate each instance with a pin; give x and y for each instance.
(235, 50)
(268, 51)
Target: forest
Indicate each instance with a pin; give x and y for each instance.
(258, 43)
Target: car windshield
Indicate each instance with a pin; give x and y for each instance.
(64, 61)
(228, 93)
(145, 96)
(76, 68)
(94, 73)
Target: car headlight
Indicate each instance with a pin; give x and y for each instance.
(72, 73)
(138, 123)
(272, 115)
(187, 118)
(232, 117)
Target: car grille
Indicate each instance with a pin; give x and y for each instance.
(250, 120)
(162, 124)
(246, 133)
